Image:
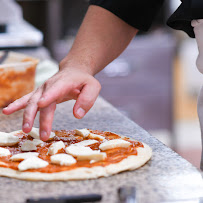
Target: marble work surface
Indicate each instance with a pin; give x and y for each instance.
(166, 177)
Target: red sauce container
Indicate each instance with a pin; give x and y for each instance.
(17, 77)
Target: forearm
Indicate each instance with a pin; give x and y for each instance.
(101, 38)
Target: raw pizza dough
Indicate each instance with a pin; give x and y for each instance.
(132, 162)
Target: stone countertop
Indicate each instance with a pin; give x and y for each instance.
(166, 177)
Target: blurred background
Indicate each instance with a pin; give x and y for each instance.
(153, 82)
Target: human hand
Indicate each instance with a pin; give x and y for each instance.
(69, 83)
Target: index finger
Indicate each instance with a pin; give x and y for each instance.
(17, 104)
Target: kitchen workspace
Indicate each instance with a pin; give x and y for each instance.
(91, 110)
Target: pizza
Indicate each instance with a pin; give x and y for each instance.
(69, 155)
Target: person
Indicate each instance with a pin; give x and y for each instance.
(107, 29)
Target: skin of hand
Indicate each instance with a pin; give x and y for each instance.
(101, 38)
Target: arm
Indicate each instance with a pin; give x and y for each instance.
(101, 38)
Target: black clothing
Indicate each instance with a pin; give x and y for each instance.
(140, 13)
(134, 12)
(182, 17)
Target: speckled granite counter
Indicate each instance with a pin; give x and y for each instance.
(165, 177)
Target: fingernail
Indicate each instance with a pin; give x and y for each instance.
(81, 112)
(43, 135)
(26, 125)
(5, 108)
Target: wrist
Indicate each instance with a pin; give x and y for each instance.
(84, 65)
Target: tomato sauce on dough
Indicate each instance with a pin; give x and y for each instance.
(69, 137)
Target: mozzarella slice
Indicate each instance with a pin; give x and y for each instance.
(55, 147)
(4, 152)
(63, 159)
(35, 133)
(3, 164)
(95, 136)
(28, 145)
(16, 132)
(22, 156)
(85, 143)
(37, 142)
(92, 161)
(114, 144)
(85, 153)
(82, 132)
(32, 163)
(78, 150)
(8, 139)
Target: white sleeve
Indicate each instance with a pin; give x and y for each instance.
(198, 30)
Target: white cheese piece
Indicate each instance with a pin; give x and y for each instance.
(55, 147)
(3, 164)
(52, 134)
(77, 150)
(16, 132)
(8, 139)
(28, 145)
(114, 144)
(63, 159)
(92, 161)
(95, 136)
(22, 156)
(82, 132)
(4, 152)
(32, 163)
(35, 133)
(85, 153)
(85, 143)
(37, 142)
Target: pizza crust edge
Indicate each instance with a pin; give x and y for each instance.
(130, 163)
